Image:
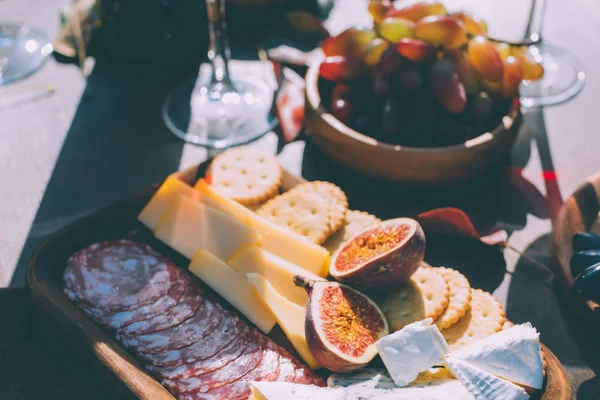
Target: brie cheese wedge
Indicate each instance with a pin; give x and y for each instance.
(482, 385)
(294, 391)
(513, 354)
(411, 350)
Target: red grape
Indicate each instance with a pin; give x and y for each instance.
(341, 109)
(416, 50)
(485, 58)
(419, 10)
(447, 87)
(390, 117)
(389, 61)
(381, 84)
(511, 80)
(481, 107)
(473, 25)
(350, 43)
(394, 29)
(338, 68)
(532, 68)
(411, 77)
(467, 73)
(379, 8)
(374, 51)
(442, 30)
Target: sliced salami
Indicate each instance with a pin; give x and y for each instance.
(231, 329)
(201, 324)
(188, 305)
(267, 370)
(287, 370)
(118, 276)
(233, 371)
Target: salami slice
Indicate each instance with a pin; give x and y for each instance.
(188, 305)
(233, 371)
(198, 326)
(231, 329)
(267, 370)
(287, 370)
(118, 276)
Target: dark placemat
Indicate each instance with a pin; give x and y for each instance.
(34, 367)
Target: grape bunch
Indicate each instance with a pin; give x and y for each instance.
(422, 76)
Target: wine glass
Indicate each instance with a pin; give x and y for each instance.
(564, 75)
(23, 50)
(218, 110)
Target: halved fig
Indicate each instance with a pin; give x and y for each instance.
(342, 325)
(381, 256)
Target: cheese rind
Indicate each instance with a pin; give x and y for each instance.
(290, 316)
(513, 354)
(279, 272)
(234, 287)
(412, 350)
(293, 391)
(278, 240)
(482, 385)
(160, 202)
(188, 226)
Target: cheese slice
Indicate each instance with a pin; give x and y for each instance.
(289, 316)
(482, 385)
(188, 226)
(278, 240)
(412, 350)
(513, 354)
(279, 272)
(166, 193)
(293, 391)
(234, 287)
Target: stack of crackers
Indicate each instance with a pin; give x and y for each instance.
(319, 211)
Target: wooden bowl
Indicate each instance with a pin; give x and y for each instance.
(579, 213)
(426, 166)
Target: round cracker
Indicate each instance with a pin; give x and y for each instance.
(460, 298)
(314, 210)
(247, 175)
(355, 222)
(425, 295)
(485, 317)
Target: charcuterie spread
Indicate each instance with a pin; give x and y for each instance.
(344, 287)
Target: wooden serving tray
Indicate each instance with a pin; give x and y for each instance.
(97, 347)
(579, 213)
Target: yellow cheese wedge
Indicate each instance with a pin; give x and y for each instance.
(279, 272)
(252, 397)
(158, 204)
(278, 240)
(290, 316)
(234, 287)
(188, 226)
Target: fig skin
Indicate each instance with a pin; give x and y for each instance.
(385, 271)
(323, 354)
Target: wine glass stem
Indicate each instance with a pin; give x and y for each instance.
(535, 23)
(218, 52)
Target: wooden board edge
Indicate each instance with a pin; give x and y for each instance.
(558, 386)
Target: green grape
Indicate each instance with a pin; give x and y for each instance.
(532, 67)
(379, 8)
(485, 58)
(512, 77)
(447, 87)
(416, 50)
(473, 25)
(503, 50)
(418, 11)
(441, 30)
(351, 43)
(374, 51)
(394, 29)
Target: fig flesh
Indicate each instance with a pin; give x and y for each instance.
(381, 256)
(342, 325)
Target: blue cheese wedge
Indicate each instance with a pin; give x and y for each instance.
(412, 350)
(513, 354)
(484, 386)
